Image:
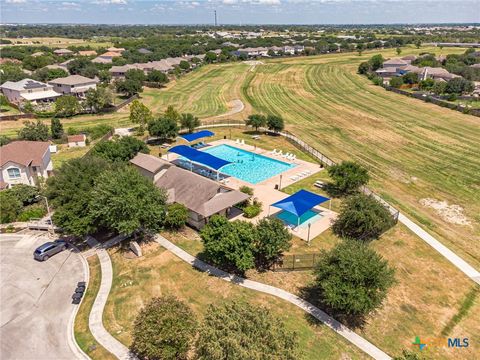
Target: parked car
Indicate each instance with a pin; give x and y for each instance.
(43, 252)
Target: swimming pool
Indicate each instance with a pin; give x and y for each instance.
(247, 166)
(308, 218)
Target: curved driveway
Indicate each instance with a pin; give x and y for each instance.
(36, 300)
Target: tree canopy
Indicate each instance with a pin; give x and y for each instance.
(348, 176)
(164, 127)
(140, 113)
(241, 331)
(56, 128)
(125, 201)
(164, 329)
(256, 121)
(273, 239)
(67, 105)
(120, 150)
(33, 131)
(129, 87)
(98, 99)
(189, 121)
(352, 278)
(362, 217)
(275, 123)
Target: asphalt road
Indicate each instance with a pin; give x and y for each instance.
(35, 300)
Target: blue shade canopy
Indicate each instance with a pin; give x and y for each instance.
(197, 135)
(199, 156)
(300, 202)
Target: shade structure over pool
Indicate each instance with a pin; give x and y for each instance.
(199, 157)
(300, 202)
(197, 135)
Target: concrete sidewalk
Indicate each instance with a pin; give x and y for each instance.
(333, 324)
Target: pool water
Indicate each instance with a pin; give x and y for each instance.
(247, 166)
(308, 218)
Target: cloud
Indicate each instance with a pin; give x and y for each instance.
(110, 2)
(15, 1)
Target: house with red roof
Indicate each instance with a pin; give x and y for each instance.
(24, 162)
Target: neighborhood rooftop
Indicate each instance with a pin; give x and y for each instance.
(23, 152)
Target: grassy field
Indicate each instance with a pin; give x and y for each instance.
(56, 42)
(159, 272)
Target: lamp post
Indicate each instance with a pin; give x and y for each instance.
(308, 236)
(50, 225)
(280, 185)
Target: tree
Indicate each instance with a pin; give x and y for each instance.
(360, 48)
(135, 75)
(125, 201)
(129, 87)
(409, 355)
(396, 81)
(33, 131)
(25, 193)
(56, 128)
(459, 86)
(157, 76)
(69, 192)
(46, 74)
(210, 57)
(275, 123)
(140, 114)
(398, 50)
(177, 215)
(10, 207)
(256, 121)
(99, 98)
(163, 127)
(229, 244)
(121, 150)
(410, 78)
(67, 105)
(426, 84)
(4, 140)
(163, 329)
(172, 113)
(184, 65)
(363, 218)
(104, 76)
(352, 278)
(12, 72)
(439, 87)
(364, 68)
(190, 122)
(244, 331)
(348, 176)
(376, 62)
(418, 43)
(273, 239)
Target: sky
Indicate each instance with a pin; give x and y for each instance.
(240, 12)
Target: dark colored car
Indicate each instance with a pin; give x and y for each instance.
(43, 252)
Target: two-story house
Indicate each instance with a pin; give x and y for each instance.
(24, 162)
(73, 85)
(28, 90)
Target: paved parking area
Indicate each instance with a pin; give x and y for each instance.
(36, 300)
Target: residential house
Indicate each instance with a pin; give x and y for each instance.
(28, 90)
(38, 53)
(201, 196)
(289, 50)
(253, 52)
(10, 61)
(117, 50)
(87, 53)
(436, 73)
(74, 85)
(24, 162)
(396, 62)
(409, 58)
(144, 51)
(106, 58)
(77, 140)
(475, 66)
(57, 67)
(63, 52)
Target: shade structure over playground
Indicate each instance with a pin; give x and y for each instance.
(199, 157)
(300, 202)
(197, 135)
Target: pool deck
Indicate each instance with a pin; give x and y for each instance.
(266, 193)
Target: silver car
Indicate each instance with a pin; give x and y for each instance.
(43, 252)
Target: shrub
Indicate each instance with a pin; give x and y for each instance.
(10, 207)
(120, 150)
(177, 215)
(246, 190)
(396, 81)
(164, 329)
(36, 211)
(244, 331)
(25, 193)
(250, 211)
(96, 132)
(352, 278)
(362, 217)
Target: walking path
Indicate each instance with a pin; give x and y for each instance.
(236, 106)
(333, 324)
(456, 260)
(95, 321)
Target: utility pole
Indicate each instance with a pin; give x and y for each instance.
(215, 12)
